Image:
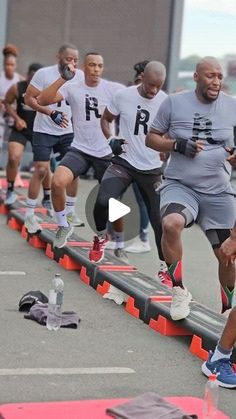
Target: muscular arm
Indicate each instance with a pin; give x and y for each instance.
(156, 141)
(10, 98)
(50, 94)
(30, 99)
(106, 120)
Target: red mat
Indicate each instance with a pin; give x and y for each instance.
(88, 409)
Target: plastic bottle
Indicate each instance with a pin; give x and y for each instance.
(211, 397)
(55, 303)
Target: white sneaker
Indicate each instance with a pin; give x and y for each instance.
(138, 247)
(111, 245)
(116, 295)
(179, 308)
(62, 236)
(11, 198)
(32, 225)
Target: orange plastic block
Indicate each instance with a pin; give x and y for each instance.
(49, 253)
(104, 288)
(197, 349)
(3, 209)
(83, 275)
(24, 232)
(14, 224)
(130, 307)
(125, 268)
(167, 327)
(69, 263)
(35, 241)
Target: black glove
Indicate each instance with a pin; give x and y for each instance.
(186, 147)
(57, 117)
(66, 73)
(116, 145)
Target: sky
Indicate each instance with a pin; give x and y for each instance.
(209, 28)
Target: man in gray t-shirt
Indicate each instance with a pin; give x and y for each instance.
(197, 184)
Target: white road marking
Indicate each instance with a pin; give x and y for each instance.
(12, 273)
(65, 371)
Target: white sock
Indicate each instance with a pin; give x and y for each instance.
(61, 218)
(70, 204)
(217, 354)
(119, 239)
(31, 205)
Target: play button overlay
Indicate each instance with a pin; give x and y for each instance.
(117, 210)
(125, 207)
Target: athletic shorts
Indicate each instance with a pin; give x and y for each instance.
(21, 137)
(79, 162)
(208, 210)
(43, 145)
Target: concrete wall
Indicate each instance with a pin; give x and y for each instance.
(123, 31)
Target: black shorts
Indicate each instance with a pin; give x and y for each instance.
(79, 162)
(21, 137)
(44, 144)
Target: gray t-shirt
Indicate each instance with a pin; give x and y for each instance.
(182, 115)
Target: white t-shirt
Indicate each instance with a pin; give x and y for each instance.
(87, 105)
(43, 123)
(136, 115)
(5, 83)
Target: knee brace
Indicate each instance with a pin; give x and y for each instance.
(217, 236)
(175, 208)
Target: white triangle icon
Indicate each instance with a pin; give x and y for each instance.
(116, 209)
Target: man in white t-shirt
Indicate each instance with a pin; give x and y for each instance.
(52, 132)
(133, 162)
(87, 100)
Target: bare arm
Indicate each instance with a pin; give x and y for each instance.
(106, 120)
(30, 99)
(50, 94)
(11, 96)
(156, 141)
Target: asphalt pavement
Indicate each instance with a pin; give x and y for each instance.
(111, 354)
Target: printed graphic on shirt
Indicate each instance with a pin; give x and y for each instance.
(91, 105)
(142, 118)
(202, 129)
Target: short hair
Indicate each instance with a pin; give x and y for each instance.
(92, 53)
(10, 49)
(66, 46)
(34, 67)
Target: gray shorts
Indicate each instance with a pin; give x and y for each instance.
(209, 211)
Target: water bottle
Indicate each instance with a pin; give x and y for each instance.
(55, 303)
(211, 397)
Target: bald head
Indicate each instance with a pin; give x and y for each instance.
(208, 77)
(207, 62)
(155, 68)
(153, 79)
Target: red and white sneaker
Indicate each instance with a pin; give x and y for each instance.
(96, 254)
(164, 277)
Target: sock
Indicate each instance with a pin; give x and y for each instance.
(175, 271)
(70, 204)
(61, 218)
(119, 239)
(144, 235)
(220, 353)
(47, 194)
(31, 205)
(10, 186)
(227, 294)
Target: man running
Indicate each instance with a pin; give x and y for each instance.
(136, 107)
(197, 184)
(51, 131)
(87, 99)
